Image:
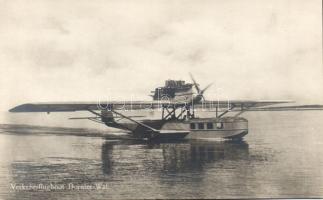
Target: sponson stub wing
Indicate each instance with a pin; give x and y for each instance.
(137, 105)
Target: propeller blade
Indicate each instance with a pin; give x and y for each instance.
(209, 85)
(195, 84)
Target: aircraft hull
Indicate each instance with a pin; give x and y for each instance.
(230, 134)
(203, 128)
(225, 128)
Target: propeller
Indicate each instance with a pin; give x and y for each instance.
(199, 91)
(195, 84)
(202, 92)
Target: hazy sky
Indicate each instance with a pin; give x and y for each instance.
(67, 50)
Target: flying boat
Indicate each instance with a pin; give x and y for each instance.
(178, 105)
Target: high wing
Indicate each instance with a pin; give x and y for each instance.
(242, 104)
(289, 108)
(85, 106)
(138, 105)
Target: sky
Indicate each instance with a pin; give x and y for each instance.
(84, 50)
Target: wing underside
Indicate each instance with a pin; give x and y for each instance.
(137, 105)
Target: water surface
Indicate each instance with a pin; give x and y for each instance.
(282, 156)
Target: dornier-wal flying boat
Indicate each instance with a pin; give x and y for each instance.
(179, 105)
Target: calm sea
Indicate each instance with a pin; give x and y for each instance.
(282, 156)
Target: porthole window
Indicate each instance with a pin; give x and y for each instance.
(219, 125)
(192, 126)
(209, 125)
(201, 125)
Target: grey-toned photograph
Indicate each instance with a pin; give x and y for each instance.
(163, 99)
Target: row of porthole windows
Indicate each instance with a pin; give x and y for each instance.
(209, 125)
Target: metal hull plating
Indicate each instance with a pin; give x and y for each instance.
(198, 128)
(212, 128)
(225, 134)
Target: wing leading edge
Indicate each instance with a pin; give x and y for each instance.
(137, 105)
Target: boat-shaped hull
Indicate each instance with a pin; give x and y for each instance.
(197, 128)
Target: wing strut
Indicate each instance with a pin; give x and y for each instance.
(226, 111)
(137, 122)
(154, 132)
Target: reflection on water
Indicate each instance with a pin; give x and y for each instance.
(203, 169)
(181, 156)
(126, 166)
